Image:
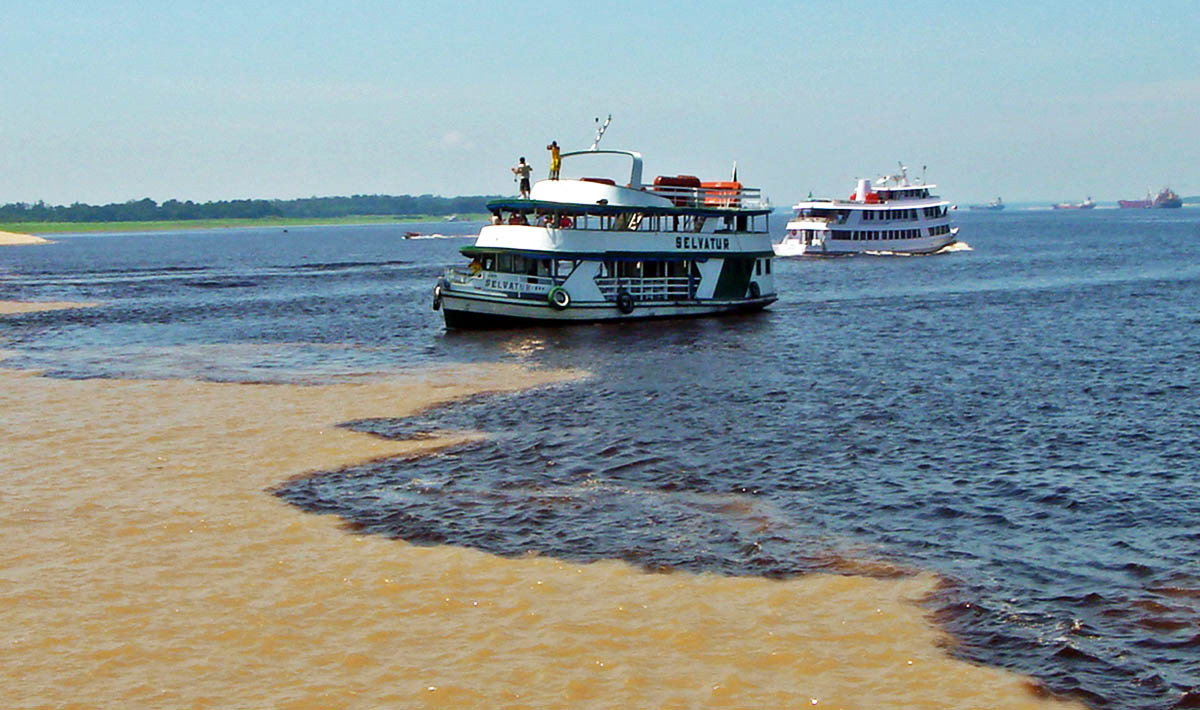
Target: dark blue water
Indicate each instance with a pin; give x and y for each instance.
(1021, 418)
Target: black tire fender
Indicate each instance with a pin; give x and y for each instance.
(559, 298)
(625, 302)
(437, 293)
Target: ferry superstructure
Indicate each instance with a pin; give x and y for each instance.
(593, 249)
(893, 216)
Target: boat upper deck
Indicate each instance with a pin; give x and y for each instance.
(692, 206)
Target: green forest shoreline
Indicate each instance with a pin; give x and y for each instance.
(42, 228)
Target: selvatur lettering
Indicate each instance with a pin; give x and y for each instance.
(702, 243)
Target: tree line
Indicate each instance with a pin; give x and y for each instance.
(147, 210)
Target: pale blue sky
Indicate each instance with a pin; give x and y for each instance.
(110, 101)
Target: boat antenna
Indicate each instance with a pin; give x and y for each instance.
(600, 129)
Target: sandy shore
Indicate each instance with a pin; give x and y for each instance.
(14, 239)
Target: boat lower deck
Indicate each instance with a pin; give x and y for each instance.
(470, 312)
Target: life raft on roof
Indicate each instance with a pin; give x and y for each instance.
(722, 193)
(674, 183)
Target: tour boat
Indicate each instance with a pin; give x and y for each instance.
(893, 216)
(597, 249)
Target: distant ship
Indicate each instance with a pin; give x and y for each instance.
(893, 216)
(1166, 197)
(1085, 205)
(996, 204)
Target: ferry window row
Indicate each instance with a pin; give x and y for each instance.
(932, 212)
(876, 235)
(882, 215)
(939, 229)
(903, 194)
(512, 264)
(760, 265)
(649, 269)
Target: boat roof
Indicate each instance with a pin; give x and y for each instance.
(525, 206)
(614, 255)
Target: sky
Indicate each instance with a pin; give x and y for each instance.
(109, 101)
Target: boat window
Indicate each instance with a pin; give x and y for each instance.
(564, 268)
(768, 266)
(489, 262)
(677, 269)
(504, 263)
(758, 267)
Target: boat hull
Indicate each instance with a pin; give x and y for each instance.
(838, 247)
(462, 311)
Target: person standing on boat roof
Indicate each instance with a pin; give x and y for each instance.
(522, 170)
(555, 159)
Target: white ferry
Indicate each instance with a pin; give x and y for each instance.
(594, 249)
(893, 216)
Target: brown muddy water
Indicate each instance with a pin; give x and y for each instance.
(147, 565)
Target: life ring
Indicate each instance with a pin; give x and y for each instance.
(755, 290)
(559, 298)
(437, 293)
(624, 302)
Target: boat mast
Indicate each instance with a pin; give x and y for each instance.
(600, 129)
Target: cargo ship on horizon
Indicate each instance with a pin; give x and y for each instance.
(1166, 197)
(996, 204)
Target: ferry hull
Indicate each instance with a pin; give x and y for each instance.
(790, 247)
(466, 312)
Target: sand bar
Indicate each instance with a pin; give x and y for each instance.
(14, 239)
(148, 566)
(16, 307)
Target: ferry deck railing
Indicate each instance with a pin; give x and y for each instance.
(463, 277)
(648, 288)
(713, 197)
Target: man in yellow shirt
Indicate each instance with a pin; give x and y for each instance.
(555, 159)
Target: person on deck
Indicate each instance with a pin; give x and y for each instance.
(555, 159)
(522, 171)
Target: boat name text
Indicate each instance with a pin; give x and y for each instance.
(500, 284)
(702, 243)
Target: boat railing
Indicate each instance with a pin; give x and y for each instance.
(824, 219)
(712, 197)
(465, 276)
(648, 288)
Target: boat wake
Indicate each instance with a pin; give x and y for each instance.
(949, 248)
(434, 236)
